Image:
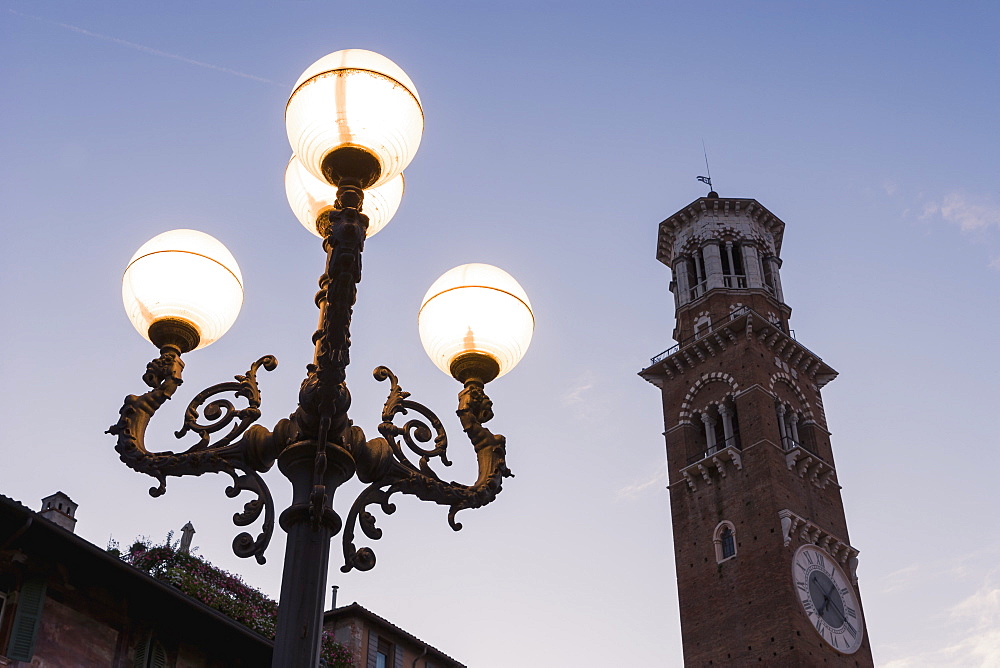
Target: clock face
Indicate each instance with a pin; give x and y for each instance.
(828, 598)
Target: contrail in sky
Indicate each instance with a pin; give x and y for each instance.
(149, 50)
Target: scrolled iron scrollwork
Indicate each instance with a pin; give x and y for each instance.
(413, 430)
(242, 459)
(318, 447)
(382, 463)
(222, 411)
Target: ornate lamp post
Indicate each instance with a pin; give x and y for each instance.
(354, 121)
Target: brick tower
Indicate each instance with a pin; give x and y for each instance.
(766, 574)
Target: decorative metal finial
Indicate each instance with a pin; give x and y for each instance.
(707, 179)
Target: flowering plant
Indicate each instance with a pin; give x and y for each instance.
(218, 589)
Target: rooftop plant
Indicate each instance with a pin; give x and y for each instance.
(216, 588)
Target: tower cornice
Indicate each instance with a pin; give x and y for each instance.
(750, 325)
(718, 206)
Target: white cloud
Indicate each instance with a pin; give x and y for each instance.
(900, 579)
(969, 213)
(634, 490)
(574, 396)
(973, 628)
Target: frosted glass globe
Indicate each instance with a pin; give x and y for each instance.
(476, 308)
(183, 275)
(354, 99)
(309, 197)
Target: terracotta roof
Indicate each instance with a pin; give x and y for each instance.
(361, 611)
(100, 556)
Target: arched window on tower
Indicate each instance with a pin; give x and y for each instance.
(733, 273)
(724, 541)
(703, 436)
(702, 325)
(697, 278)
(729, 425)
(792, 428)
(716, 428)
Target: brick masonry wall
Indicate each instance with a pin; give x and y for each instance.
(745, 610)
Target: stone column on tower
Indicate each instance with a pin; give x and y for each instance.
(713, 265)
(751, 260)
(681, 279)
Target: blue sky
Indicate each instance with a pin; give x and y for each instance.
(557, 136)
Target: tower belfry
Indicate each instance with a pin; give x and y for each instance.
(766, 573)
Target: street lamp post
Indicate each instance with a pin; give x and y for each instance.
(354, 121)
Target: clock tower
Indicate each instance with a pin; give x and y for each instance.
(766, 573)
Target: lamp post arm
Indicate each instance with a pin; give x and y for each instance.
(241, 459)
(382, 462)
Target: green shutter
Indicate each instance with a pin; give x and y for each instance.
(27, 620)
(149, 653)
(372, 649)
(157, 657)
(141, 651)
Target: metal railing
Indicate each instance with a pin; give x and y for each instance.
(732, 441)
(698, 290)
(713, 326)
(788, 443)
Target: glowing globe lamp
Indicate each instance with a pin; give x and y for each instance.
(310, 197)
(182, 287)
(475, 321)
(354, 114)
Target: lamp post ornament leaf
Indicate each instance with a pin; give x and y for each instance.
(183, 289)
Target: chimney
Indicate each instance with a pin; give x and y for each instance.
(187, 533)
(60, 509)
(333, 600)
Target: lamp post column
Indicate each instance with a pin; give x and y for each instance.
(307, 551)
(320, 463)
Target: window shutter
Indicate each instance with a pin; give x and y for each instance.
(149, 653)
(158, 656)
(27, 620)
(397, 657)
(141, 651)
(372, 649)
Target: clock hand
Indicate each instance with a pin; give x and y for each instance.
(839, 611)
(827, 600)
(821, 608)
